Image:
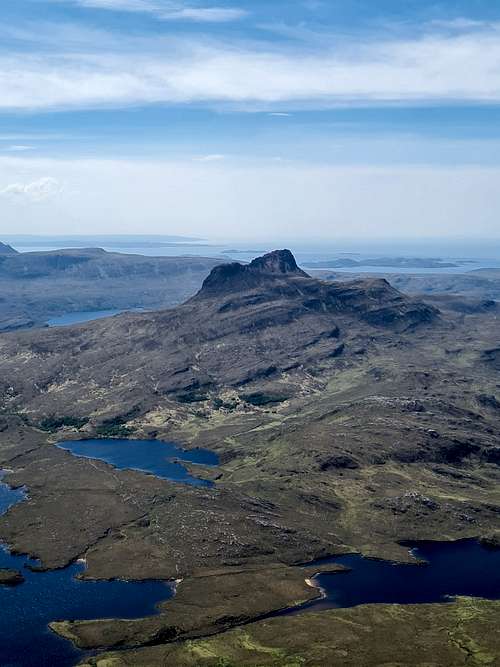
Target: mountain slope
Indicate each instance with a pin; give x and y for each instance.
(246, 324)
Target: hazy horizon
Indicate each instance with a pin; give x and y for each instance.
(475, 253)
(250, 120)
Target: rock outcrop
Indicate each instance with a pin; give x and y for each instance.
(10, 578)
(259, 273)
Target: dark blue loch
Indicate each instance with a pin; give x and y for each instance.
(156, 457)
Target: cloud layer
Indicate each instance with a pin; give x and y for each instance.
(463, 66)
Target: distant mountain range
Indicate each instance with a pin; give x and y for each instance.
(35, 286)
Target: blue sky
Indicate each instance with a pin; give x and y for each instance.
(237, 102)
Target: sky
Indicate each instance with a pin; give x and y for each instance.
(251, 119)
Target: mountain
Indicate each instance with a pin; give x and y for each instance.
(259, 273)
(246, 324)
(347, 416)
(35, 286)
(275, 280)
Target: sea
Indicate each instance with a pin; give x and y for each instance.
(463, 254)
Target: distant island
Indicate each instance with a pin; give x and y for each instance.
(232, 251)
(393, 262)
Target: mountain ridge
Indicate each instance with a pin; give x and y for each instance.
(261, 321)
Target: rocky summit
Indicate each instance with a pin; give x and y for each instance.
(259, 273)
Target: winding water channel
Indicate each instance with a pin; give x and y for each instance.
(28, 608)
(455, 568)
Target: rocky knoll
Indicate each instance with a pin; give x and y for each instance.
(247, 324)
(10, 578)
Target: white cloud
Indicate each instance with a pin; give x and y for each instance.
(115, 5)
(19, 148)
(36, 191)
(269, 200)
(214, 157)
(457, 67)
(204, 15)
(166, 10)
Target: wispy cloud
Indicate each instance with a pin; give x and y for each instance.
(166, 10)
(460, 23)
(461, 66)
(19, 148)
(35, 191)
(214, 157)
